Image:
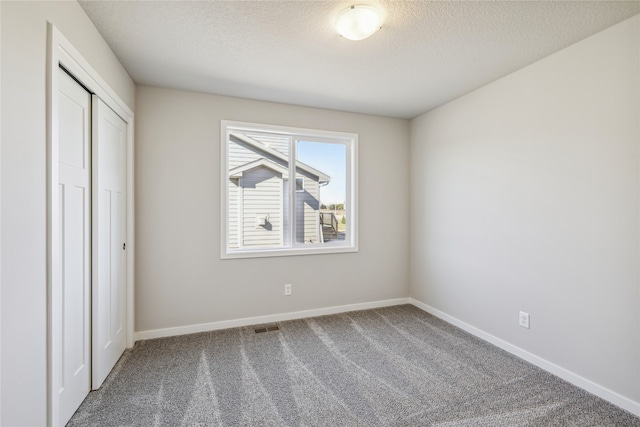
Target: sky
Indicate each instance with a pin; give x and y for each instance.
(330, 159)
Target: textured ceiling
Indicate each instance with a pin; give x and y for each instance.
(427, 53)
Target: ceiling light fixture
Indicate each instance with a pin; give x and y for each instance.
(358, 22)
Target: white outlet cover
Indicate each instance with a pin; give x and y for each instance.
(524, 319)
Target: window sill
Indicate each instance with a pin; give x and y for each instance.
(279, 252)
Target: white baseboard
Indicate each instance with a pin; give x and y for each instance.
(247, 321)
(577, 380)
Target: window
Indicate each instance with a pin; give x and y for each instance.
(264, 213)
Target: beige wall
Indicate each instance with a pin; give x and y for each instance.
(525, 196)
(23, 178)
(180, 279)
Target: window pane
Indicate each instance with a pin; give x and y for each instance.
(257, 190)
(320, 206)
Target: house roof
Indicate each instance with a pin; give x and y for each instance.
(237, 172)
(322, 177)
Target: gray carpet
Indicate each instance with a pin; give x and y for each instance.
(396, 366)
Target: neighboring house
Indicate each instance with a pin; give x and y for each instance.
(259, 193)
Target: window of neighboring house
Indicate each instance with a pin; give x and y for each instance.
(264, 213)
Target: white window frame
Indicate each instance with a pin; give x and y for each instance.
(350, 140)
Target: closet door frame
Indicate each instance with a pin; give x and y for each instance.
(60, 52)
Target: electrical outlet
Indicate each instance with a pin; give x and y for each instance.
(524, 319)
(287, 289)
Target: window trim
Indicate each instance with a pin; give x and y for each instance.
(350, 140)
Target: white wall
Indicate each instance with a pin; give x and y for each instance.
(180, 279)
(525, 196)
(23, 178)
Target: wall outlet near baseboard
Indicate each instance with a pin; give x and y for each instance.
(287, 289)
(524, 319)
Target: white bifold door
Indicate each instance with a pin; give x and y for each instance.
(89, 274)
(71, 290)
(109, 232)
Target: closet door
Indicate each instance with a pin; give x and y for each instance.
(71, 291)
(109, 231)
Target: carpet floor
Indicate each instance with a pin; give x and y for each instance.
(394, 366)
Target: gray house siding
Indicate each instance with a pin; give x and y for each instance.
(279, 143)
(307, 208)
(262, 197)
(233, 209)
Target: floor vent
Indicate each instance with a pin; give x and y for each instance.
(268, 328)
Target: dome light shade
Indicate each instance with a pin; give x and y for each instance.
(358, 22)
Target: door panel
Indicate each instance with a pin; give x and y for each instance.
(71, 290)
(118, 293)
(75, 290)
(109, 231)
